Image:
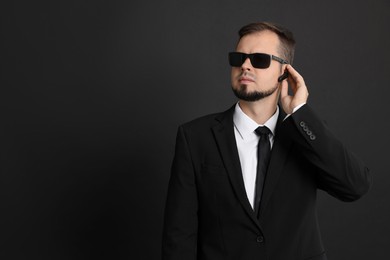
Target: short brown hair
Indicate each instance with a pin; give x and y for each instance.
(286, 38)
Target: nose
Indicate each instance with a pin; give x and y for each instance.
(247, 65)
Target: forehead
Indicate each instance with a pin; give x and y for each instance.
(263, 42)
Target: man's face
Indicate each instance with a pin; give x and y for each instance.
(249, 83)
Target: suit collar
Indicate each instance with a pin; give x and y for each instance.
(224, 134)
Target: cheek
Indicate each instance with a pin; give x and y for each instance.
(235, 72)
(268, 76)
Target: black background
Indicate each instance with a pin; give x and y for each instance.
(92, 93)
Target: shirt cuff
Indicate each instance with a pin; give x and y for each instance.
(295, 110)
(298, 107)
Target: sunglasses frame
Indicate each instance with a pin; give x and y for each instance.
(251, 56)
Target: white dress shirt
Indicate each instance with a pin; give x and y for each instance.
(247, 141)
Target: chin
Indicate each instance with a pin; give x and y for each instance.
(243, 93)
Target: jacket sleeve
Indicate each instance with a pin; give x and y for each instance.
(180, 221)
(339, 172)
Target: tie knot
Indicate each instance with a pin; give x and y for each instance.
(262, 130)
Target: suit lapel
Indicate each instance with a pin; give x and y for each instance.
(279, 153)
(224, 135)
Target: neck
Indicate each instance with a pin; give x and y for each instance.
(262, 110)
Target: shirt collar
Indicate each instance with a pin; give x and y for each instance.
(246, 126)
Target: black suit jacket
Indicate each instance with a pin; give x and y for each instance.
(208, 215)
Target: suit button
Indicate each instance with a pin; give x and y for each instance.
(260, 239)
(302, 124)
(313, 137)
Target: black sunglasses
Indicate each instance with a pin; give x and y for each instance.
(258, 60)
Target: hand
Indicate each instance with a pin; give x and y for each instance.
(298, 87)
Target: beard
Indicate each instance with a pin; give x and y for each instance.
(243, 94)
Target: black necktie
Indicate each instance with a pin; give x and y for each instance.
(263, 154)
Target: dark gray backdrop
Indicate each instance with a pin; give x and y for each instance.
(92, 93)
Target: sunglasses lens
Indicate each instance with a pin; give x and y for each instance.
(258, 60)
(236, 59)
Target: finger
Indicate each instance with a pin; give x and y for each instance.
(295, 74)
(293, 84)
(297, 82)
(284, 89)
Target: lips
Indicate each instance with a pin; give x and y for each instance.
(245, 80)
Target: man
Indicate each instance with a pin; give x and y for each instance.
(244, 182)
